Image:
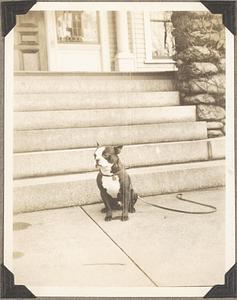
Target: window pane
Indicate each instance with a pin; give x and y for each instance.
(161, 37)
(77, 26)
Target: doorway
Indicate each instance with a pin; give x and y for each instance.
(30, 51)
(77, 40)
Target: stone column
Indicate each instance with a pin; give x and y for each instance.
(200, 56)
(124, 58)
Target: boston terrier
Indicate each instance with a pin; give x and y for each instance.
(114, 182)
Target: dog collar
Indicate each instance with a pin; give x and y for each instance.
(112, 175)
(106, 175)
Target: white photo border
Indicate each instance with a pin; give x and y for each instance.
(230, 157)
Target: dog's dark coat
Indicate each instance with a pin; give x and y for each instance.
(126, 195)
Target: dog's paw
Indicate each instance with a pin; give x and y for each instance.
(108, 218)
(124, 218)
(117, 207)
(103, 210)
(132, 210)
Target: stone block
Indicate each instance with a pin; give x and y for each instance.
(210, 112)
(198, 54)
(214, 133)
(222, 65)
(199, 69)
(220, 100)
(211, 39)
(196, 20)
(214, 125)
(199, 98)
(213, 84)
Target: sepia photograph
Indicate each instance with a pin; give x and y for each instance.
(119, 149)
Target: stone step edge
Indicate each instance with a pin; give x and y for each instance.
(90, 109)
(112, 108)
(92, 175)
(176, 92)
(127, 146)
(130, 146)
(115, 126)
(89, 73)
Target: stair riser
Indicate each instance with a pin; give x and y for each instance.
(84, 191)
(75, 161)
(73, 101)
(103, 117)
(41, 140)
(70, 83)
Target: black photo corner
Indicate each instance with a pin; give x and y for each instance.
(9, 10)
(8, 287)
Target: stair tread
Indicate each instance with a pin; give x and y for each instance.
(149, 103)
(103, 117)
(128, 146)
(110, 82)
(70, 161)
(119, 126)
(49, 139)
(117, 109)
(140, 170)
(85, 93)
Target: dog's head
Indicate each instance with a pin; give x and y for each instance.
(106, 159)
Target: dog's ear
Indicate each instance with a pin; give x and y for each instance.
(118, 149)
(97, 144)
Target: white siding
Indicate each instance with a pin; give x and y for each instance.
(112, 37)
(130, 39)
(139, 42)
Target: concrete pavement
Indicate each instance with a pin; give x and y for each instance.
(75, 247)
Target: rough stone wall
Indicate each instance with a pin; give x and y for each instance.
(200, 55)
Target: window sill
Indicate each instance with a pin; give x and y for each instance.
(159, 61)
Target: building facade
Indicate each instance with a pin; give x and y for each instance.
(94, 41)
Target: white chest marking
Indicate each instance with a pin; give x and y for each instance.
(111, 185)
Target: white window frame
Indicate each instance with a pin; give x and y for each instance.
(148, 45)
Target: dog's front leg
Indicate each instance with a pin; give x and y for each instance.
(133, 200)
(125, 202)
(108, 216)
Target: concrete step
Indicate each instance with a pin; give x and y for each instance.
(72, 138)
(64, 191)
(47, 82)
(103, 117)
(93, 100)
(36, 164)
